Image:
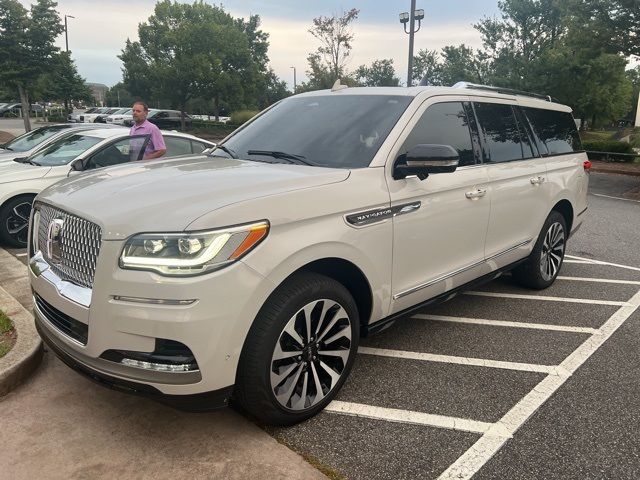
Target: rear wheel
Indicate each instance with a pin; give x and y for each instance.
(543, 265)
(299, 350)
(14, 221)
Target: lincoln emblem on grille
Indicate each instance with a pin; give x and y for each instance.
(54, 235)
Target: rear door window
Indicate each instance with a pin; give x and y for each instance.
(556, 130)
(177, 146)
(501, 132)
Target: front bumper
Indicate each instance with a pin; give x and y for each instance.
(214, 326)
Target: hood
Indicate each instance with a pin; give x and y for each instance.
(168, 195)
(11, 171)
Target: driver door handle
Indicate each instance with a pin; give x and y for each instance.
(477, 193)
(537, 180)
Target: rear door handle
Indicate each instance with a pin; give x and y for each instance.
(477, 193)
(537, 180)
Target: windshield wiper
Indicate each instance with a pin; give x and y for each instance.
(25, 160)
(282, 156)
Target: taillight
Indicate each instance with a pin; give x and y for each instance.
(587, 165)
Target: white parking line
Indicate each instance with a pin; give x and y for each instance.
(21, 254)
(473, 362)
(481, 452)
(599, 262)
(616, 198)
(546, 298)
(599, 280)
(504, 323)
(415, 418)
(581, 262)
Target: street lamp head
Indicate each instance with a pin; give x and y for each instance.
(69, 16)
(404, 17)
(418, 14)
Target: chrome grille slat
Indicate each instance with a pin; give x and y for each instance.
(80, 245)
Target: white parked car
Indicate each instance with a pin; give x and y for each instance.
(79, 151)
(330, 215)
(29, 143)
(91, 117)
(119, 117)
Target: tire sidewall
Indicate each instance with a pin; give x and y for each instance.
(315, 287)
(8, 206)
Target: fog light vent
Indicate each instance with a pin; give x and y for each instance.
(168, 356)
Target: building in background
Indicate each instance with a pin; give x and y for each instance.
(98, 90)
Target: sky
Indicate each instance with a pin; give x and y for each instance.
(100, 29)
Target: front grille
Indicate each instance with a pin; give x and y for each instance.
(63, 322)
(80, 242)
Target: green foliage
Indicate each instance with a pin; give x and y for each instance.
(611, 146)
(118, 95)
(242, 116)
(327, 63)
(5, 323)
(380, 74)
(198, 50)
(27, 49)
(62, 82)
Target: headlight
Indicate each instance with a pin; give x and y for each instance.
(191, 253)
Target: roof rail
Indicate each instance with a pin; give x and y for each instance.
(509, 91)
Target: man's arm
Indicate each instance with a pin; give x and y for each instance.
(158, 145)
(156, 154)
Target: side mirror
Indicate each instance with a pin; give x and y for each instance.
(425, 159)
(77, 165)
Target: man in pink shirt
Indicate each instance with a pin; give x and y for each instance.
(141, 126)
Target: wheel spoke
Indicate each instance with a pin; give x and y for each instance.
(285, 395)
(307, 311)
(319, 392)
(300, 403)
(280, 354)
(344, 354)
(335, 376)
(291, 331)
(18, 229)
(325, 309)
(277, 378)
(344, 332)
(27, 211)
(339, 314)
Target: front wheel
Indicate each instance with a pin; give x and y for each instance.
(543, 265)
(299, 350)
(14, 221)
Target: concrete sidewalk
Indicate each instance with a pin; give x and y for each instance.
(60, 425)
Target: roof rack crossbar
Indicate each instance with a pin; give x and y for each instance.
(510, 91)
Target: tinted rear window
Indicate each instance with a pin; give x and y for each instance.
(334, 130)
(501, 132)
(556, 130)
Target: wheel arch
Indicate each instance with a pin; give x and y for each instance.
(564, 208)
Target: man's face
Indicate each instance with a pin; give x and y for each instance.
(139, 114)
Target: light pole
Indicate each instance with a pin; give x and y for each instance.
(294, 80)
(66, 31)
(411, 18)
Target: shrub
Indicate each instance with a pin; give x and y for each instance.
(56, 119)
(242, 116)
(610, 146)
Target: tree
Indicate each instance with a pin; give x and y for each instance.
(118, 96)
(336, 37)
(27, 48)
(189, 51)
(380, 74)
(63, 82)
(462, 64)
(427, 65)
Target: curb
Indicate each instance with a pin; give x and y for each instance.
(26, 354)
(615, 171)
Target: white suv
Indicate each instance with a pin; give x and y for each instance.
(333, 213)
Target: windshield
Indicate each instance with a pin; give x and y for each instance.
(340, 131)
(64, 150)
(33, 138)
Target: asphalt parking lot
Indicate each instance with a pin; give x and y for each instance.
(501, 382)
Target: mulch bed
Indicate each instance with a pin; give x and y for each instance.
(5, 137)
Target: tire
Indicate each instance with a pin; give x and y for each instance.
(288, 372)
(14, 221)
(543, 265)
